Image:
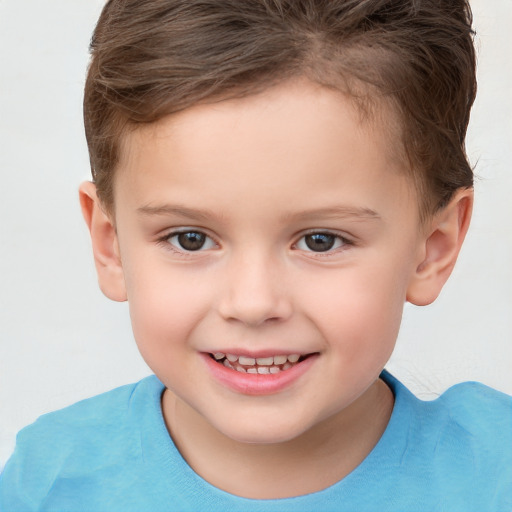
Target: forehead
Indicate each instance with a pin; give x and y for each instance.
(298, 134)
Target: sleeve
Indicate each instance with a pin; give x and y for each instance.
(14, 496)
(29, 473)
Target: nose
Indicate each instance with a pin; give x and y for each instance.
(254, 292)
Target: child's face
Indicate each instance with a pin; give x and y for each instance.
(303, 237)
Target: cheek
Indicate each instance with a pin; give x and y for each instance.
(360, 312)
(165, 307)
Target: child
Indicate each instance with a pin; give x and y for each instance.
(273, 179)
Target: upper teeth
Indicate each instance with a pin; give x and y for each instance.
(260, 361)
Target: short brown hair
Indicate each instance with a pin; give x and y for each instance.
(151, 58)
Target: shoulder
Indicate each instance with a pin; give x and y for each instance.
(83, 438)
(481, 420)
(76, 423)
(468, 438)
(460, 443)
(480, 410)
(472, 418)
(470, 408)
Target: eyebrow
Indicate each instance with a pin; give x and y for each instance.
(177, 210)
(335, 212)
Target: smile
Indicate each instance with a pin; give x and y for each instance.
(259, 365)
(264, 375)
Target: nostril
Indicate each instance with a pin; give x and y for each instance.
(254, 300)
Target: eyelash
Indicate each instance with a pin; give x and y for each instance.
(343, 242)
(165, 241)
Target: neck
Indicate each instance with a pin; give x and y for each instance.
(309, 463)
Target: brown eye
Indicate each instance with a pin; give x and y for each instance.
(320, 242)
(191, 241)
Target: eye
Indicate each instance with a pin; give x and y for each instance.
(321, 242)
(190, 241)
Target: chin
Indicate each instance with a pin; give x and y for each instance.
(262, 432)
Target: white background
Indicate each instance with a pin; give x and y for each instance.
(61, 340)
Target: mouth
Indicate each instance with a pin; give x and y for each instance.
(259, 365)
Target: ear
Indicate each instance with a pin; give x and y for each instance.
(444, 236)
(104, 244)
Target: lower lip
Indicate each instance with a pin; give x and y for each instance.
(258, 384)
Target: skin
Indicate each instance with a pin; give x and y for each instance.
(257, 175)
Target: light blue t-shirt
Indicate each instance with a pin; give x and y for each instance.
(113, 453)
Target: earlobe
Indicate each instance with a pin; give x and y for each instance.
(104, 244)
(441, 248)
